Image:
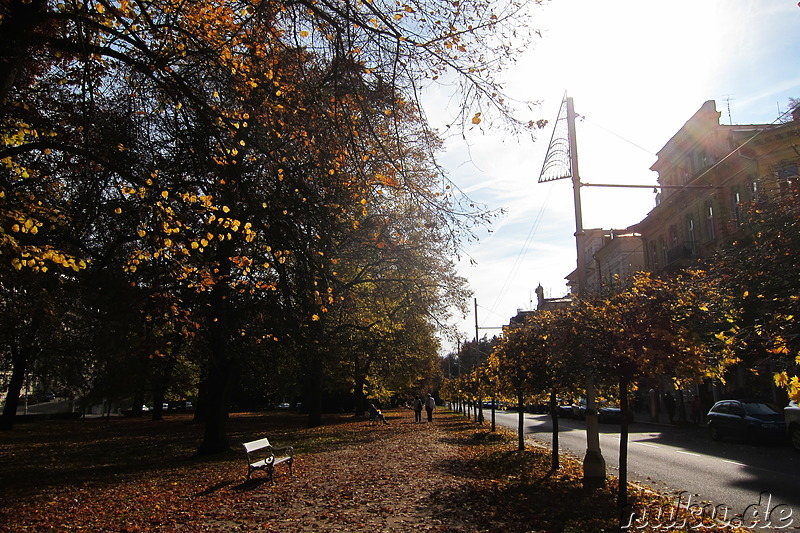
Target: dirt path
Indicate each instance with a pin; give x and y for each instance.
(137, 475)
(398, 483)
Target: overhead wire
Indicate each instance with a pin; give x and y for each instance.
(523, 251)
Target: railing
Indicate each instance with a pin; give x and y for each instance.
(686, 250)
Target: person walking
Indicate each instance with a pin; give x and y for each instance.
(669, 402)
(430, 404)
(417, 409)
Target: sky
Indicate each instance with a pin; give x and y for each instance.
(637, 71)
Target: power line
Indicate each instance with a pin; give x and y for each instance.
(520, 256)
(615, 134)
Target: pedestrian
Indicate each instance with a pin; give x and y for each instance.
(376, 415)
(430, 403)
(669, 403)
(417, 409)
(696, 410)
(652, 401)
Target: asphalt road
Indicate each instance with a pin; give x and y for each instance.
(740, 476)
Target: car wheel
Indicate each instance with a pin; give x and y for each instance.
(794, 435)
(715, 432)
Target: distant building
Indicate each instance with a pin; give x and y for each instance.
(611, 257)
(706, 171)
(542, 304)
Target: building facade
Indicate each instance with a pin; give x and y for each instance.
(706, 171)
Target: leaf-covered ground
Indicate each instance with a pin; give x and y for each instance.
(126, 475)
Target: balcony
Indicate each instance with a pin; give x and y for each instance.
(685, 250)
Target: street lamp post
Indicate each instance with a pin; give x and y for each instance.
(562, 162)
(594, 466)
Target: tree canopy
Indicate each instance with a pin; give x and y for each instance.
(229, 185)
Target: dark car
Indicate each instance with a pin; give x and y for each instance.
(746, 420)
(609, 414)
(792, 416)
(606, 413)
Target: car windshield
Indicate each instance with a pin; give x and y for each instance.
(759, 409)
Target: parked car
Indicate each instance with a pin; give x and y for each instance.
(745, 420)
(791, 415)
(609, 414)
(565, 410)
(283, 405)
(606, 413)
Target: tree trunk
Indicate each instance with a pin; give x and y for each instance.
(622, 493)
(521, 422)
(138, 403)
(494, 403)
(312, 393)
(161, 383)
(215, 415)
(218, 379)
(360, 397)
(554, 460)
(19, 361)
(20, 18)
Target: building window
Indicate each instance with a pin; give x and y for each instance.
(653, 255)
(787, 178)
(736, 208)
(711, 232)
(684, 174)
(702, 160)
(691, 237)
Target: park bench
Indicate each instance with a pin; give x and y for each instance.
(261, 455)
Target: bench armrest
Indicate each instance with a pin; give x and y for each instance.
(288, 450)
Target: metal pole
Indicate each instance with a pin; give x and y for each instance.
(594, 465)
(576, 193)
(476, 327)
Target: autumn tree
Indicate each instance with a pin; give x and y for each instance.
(759, 268)
(554, 364)
(511, 363)
(218, 156)
(681, 327)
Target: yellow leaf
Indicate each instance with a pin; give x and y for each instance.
(304, 34)
(476, 119)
